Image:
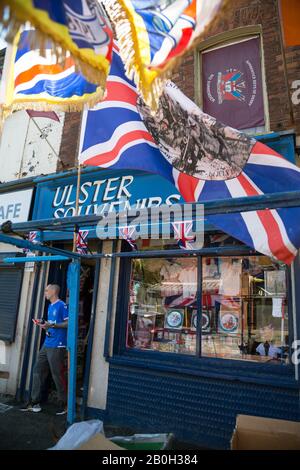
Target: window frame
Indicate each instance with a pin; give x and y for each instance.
(228, 38)
(120, 348)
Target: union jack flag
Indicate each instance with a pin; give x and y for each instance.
(126, 233)
(180, 301)
(182, 232)
(81, 242)
(34, 238)
(114, 136)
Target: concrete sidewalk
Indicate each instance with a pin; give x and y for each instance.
(30, 431)
(39, 431)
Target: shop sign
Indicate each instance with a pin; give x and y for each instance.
(15, 206)
(296, 92)
(102, 192)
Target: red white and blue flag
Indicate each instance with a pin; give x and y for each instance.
(115, 136)
(182, 233)
(33, 237)
(81, 242)
(180, 301)
(38, 83)
(126, 233)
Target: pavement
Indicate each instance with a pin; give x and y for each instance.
(30, 431)
(40, 431)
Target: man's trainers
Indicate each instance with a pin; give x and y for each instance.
(35, 408)
(62, 411)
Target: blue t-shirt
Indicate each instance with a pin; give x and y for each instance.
(57, 313)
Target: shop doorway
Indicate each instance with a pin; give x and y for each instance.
(58, 272)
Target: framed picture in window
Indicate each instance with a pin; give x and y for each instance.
(275, 282)
(228, 322)
(144, 331)
(206, 321)
(174, 319)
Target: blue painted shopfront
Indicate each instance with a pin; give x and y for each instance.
(196, 398)
(100, 191)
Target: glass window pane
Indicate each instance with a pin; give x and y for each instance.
(162, 307)
(244, 306)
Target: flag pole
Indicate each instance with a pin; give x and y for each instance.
(78, 184)
(77, 202)
(79, 168)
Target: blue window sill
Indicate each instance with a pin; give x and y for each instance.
(279, 375)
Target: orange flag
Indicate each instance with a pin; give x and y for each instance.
(290, 14)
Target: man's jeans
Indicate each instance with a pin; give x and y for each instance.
(49, 359)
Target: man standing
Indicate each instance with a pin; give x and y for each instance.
(52, 354)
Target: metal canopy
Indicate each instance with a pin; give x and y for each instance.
(244, 204)
(226, 206)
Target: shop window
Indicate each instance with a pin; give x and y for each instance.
(157, 244)
(242, 310)
(244, 305)
(163, 305)
(212, 239)
(232, 85)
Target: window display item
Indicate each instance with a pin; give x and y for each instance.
(143, 332)
(231, 270)
(228, 322)
(206, 321)
(174, 319)
(275, 282)
(268, 349)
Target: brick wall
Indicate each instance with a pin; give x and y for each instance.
(264, 13)
(279, 85)
(293, 70)
(70, 141)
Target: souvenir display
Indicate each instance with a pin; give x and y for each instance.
(206, 321)
(174, 319)
(275, 282)
(228, 322)
(237, 306)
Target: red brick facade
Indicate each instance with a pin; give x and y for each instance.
(70, 141)
(283, 114)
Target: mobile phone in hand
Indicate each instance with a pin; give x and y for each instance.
(39, 322)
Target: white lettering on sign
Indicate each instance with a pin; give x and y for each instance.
(100, 196)
(123, 192)
(15, 206)
(84, 192)
(109, 189)
(296, 94)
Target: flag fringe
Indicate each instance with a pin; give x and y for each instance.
(149, 81)
(67, 106)
(13, 17)
(135, 69)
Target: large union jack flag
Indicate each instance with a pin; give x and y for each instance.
(114, 135)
